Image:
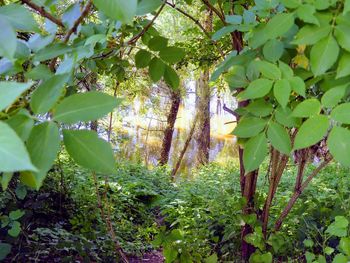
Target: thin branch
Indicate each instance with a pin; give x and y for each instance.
(78, 21)
(41, 10)
(145, 29)
(198, 24)
(296, 194)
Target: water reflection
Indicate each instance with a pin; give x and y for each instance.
(140, 135)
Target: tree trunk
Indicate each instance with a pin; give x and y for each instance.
(203, 106)
(168, 133)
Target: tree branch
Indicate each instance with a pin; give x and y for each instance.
(41, 10)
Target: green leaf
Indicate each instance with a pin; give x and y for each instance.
(171, 77)
(322, 4)
(256, 89)
(212, 259)
(19, 17)
(341, 113)
(142, 58)
(172, 54)
(157, 43)
(170, 254)
(255, 151)
(10, 91)
(40, 72)
(13, 154)
(310, 35)
(291, 3)
(286, 70)
(284, 117)
(333, 96)
(273, 50)
(344, 65)
(236, 77)
(22, 123)
(339, 227)
(346, 7)
(268, 70)
(306, 13)
(344, 245)
(88, 106)
(342, 34)
(309, 257)
(5, 249)
(15, 229)
(281, 91)
(48, 93)
(17, 214)
(156, 69)
(121, 10)
(307, 108)
(147, 6)
(52, 51)
(328, 250)
(311, 132)
(279, 138)
(8, 39)
(249, 127)
(308, 243)
(340, 258)
(5, 180)
(260, 108)
(323, 55)
(279, 25)
(223, 32)
(89, 151)
(43, 145)
(298, 85)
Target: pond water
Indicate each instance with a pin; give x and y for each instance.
(140, 131)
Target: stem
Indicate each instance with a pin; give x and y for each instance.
(296, 194)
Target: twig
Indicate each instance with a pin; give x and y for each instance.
(41, 10)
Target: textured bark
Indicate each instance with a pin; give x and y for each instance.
(168, 133)
(203, 106)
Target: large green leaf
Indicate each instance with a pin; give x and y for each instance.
(48, 93)
(19, 17)
(13, 154)
(10, 91)
(43, 145)
(22, 123)
(142, 58)
(281, 91)
(256, 89)
(284, 117)
(249, 127)
(260, 108)
(341, 113)
(279, 138)
(171, 77)
(273, 50)
(5, 180)
(339, 145)
(121, 10)
(307, 108)
(255, 151)
(89, 151)
(236, 77)
(85, 107)
(268, 70)
(52, 51)
(310, 35)
(8, 39)
(311, 132)
(333, 96)
(343, 65)
(172, 54)
(323, 55)
(298, 85)
(156, 69)
(342, 34)
(279, 25)
(157, 43)
(306, 13)
(147, 6)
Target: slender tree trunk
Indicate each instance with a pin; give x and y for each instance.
(168, 133)
(203, 106)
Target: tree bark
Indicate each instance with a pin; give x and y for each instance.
(168, 133)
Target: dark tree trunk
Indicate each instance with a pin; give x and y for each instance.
(168, 133)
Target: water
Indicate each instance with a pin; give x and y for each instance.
(140, 131)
